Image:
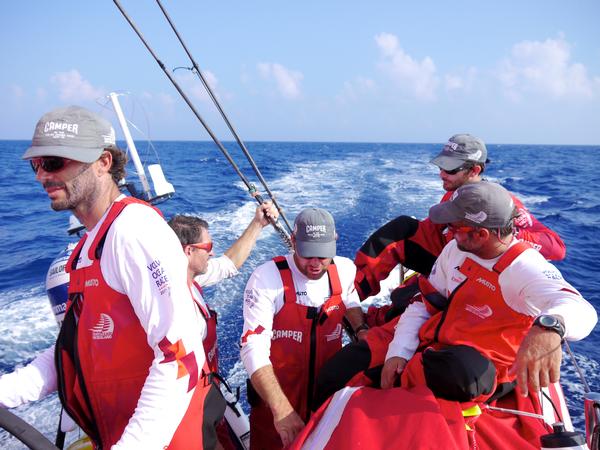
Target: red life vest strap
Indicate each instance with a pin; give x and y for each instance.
(509, 256)
(434, 301)
(72, 262)
(334, 280)
(289, 290)
(203, 310)
(115, 209)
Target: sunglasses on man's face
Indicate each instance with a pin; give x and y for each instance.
(48, 164)
(455, 171)
(206, 246)
(463, 229)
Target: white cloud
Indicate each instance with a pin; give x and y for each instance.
(287, 80)
(461, 82)
(192, 84)
(72, 87)
(357, 88)
(454, 82)
(166, 100)
(545, 67)
(418, 78)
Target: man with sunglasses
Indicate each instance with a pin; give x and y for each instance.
(128, 363)
(293, 311)
(206, 270)
(493, 313)
(416, 244)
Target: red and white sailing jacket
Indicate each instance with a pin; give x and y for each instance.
(103, 355)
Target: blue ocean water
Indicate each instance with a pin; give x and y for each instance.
(363, 185)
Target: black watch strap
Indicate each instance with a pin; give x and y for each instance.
(550, 322)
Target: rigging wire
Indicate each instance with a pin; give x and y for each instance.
(134, 103)
(251, 188)
(586, 386)
(198, 72)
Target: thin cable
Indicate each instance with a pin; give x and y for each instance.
(516, 412)
(225, 118)
(282, 232)
(553, 406)
(586, 386)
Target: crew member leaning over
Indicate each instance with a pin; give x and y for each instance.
(293, 311)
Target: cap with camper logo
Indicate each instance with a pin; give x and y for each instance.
(481, 204)
(461, 149)
(72, 132)
(314, 232)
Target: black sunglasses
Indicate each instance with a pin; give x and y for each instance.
(49, 164)
(458, 169)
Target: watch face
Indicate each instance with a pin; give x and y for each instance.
(548, 321)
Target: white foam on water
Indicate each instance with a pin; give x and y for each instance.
(328, 184)
(529, 200)
(27, 326)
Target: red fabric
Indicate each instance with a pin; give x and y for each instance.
(114, 357)
(379, 339)
(292, 355)
(479, 317)
(211, 348)
(540, 237)
(494, 430)
(375, 315)
(371, 269)
(394, 418)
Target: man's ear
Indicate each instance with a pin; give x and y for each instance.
(105, 162)
(484, 233)
(475, 171)
(336, 236)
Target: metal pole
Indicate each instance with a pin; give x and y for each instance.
(282, 232)
(218, 105)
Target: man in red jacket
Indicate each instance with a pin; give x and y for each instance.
(416, 244)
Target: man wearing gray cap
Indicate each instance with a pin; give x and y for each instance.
(493, 310)
(129, 356)
(293, 311)
(416, 244)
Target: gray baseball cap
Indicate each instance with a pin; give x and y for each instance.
(72, 132)
(314, 230)
(460, 149)
(482, 204)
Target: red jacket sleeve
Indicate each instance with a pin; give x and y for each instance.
(404, 240)
(540, 237)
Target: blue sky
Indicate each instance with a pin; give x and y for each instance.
(380, 71)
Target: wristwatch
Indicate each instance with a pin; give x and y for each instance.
(549, 322)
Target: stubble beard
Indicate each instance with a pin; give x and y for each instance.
(80, 190)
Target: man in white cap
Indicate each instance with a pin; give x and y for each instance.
(129, 358)
(493, 310)
(293, 311)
